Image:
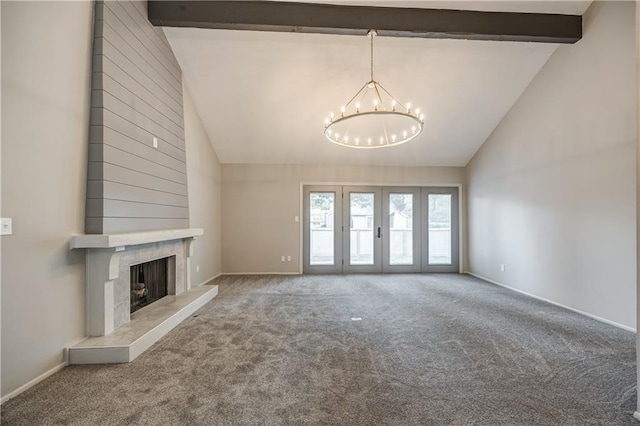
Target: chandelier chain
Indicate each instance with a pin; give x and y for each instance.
(373, 34)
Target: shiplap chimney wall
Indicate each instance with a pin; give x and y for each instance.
(136, 96)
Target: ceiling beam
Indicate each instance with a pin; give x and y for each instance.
(357, 20)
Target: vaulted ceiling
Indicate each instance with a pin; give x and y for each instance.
(262, 96)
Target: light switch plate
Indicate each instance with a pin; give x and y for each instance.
(155, 142)
(6, 226)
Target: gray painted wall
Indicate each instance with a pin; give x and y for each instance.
(552, 193)
(260, 202)
(46, 68)
(205, 180)
(136, 96)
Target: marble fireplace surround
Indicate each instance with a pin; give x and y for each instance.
(115, 335)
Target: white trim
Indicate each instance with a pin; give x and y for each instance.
(636, 415)
(209, 279)
(261, 273)
(586, 314)
(301, 230)
(461, 231)
(33, 382)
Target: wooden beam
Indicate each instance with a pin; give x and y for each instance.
(357, 20)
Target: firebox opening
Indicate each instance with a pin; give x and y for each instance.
(149, 282)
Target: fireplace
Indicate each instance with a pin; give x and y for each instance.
(149, 283)
(116, 268)
(109, 261)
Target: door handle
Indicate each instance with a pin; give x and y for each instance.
(379, 235)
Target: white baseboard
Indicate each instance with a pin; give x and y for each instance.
(260, 273)
(33, 382)
(209, 279)
(606, 321)
(636, 415)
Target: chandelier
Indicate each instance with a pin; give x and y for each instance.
(373, 118)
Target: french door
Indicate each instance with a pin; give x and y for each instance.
(359, 229)
(362, 224)
(401, 220)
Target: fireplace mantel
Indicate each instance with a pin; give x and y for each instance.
(132, 238)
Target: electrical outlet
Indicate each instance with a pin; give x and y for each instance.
(288, 258)
(282, 259)
(197, 268)
(501, 268)
(6, 226)
(297, 219)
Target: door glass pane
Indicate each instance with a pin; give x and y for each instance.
(401, 229)
(361, 228)
(321, 228)
(439, 229)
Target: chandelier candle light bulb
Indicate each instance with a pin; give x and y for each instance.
(388, 116)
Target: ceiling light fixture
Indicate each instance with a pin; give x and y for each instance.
(375, 116)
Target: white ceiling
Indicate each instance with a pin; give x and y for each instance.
(262, 96)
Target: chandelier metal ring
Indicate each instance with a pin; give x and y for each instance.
(387, 123)
(389, 139)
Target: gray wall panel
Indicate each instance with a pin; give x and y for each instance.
(97, 117)
(122, 158)
(154, 42)
(140, 149)
(118, 208)
(115, 71)
(130, 46)
(96, 134)
(96, 98)
(96, 154)
(133, 62)
(134, 224)
(93, 225)
(95, 170)
(119, 124)
(115, 64)
(115, 48)
(121, 92)
(136, 96)
(120, 191)
(97, 80)
(114, 173)
(140, 113)
(95, 189)
(158, 38)
(96, 63)
(94, 207)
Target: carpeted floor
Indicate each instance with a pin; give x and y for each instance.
(430, 349)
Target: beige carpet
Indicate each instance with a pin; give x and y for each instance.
(429, 349)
